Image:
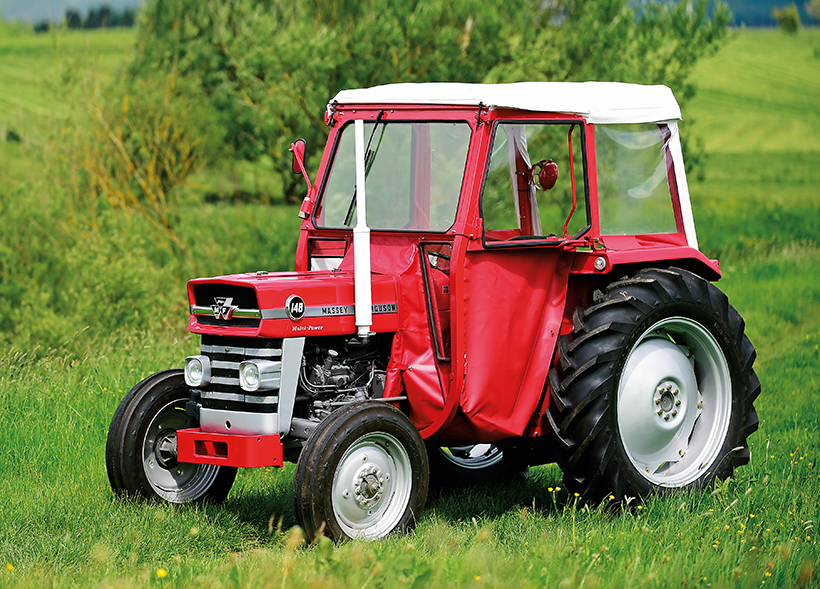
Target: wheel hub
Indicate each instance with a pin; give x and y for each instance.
(667, 400)
(165, 449)
(367, 486)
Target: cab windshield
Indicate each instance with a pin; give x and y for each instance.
(414, 172)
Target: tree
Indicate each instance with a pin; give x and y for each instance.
(73, 19)
(268, 67)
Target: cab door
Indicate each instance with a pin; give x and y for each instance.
(515, 277)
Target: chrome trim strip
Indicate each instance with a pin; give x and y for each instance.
(272, 400)
(239, 313)
(225, 365)
(263, 352)
(225, 380)
(330, 311)
(217, 396)
(220, 396)
(256, 352)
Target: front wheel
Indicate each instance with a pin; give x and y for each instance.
(656, 388)
(363, 474)
(141, 450)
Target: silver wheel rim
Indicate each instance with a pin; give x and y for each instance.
(371, 486)
(674, 402)
(177, 482)
(472, 457)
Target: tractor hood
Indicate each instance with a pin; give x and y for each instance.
(286, 304)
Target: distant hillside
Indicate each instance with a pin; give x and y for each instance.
(758, 13)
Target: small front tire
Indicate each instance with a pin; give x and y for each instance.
(363, 474)
(141, 446)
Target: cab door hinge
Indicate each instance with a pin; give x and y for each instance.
(472, 232)
(482, 115)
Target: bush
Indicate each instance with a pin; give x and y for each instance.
(132, 147)
(60, 279)
(788, 18)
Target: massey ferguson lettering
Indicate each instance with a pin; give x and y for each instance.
(350, 310)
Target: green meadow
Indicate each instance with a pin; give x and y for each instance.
(757, 208)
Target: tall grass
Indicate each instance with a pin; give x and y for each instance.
(60, 524)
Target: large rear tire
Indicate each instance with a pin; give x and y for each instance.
(655, 389)
(363, 474)
(141, 446)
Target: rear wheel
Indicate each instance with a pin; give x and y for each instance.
(364, 474)
(141, 450)
(656, 388)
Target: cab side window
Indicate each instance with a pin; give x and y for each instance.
(529, 187)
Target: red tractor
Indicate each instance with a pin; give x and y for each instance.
(487, 277)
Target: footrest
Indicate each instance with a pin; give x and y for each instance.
(198, 447)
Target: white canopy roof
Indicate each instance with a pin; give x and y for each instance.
(597, 102)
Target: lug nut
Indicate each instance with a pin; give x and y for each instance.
(676, 392)
(681, 452)
(657, 401)
(666, 417)
(677, 403)
(660, 412)
(674, 413)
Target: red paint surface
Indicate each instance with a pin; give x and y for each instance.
(198, 447)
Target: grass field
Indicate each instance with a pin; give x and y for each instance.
(757, 209)
(32, 69)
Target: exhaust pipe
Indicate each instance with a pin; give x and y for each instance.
(361, 245)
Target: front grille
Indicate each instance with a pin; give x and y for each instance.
(243, 298)
(225, 354)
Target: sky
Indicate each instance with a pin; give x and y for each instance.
(750, 12)
(54, 10)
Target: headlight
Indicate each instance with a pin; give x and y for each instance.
(259, 375)
(197, 371)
